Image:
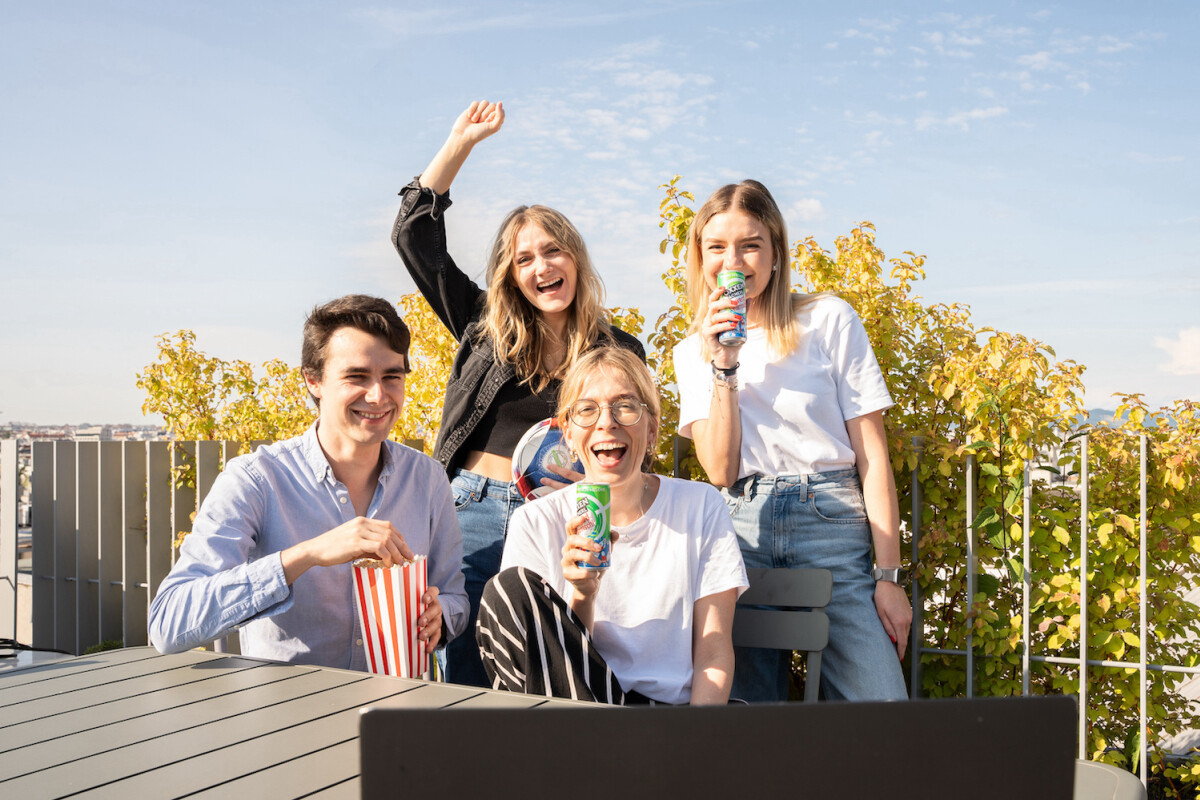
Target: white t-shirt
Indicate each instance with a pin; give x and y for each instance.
(793, 409)
(681, 550)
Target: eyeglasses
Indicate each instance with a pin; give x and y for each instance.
(586, 413)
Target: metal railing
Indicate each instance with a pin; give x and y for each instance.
(1082, 662)
(106, 514)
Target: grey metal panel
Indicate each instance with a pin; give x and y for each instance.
(110, 591)
(183, 497)
(9, 481)
(346, 790)
(197, 720)
(811, 588)
(501, 700)
(100, 683)
(158, 513)
(135, 597)
(296, 779)
(196, 758)
(169, 710)
(780, 630)
(64, 546)
(87, 545)
(208, 465)
(69, 665)
(42, 567)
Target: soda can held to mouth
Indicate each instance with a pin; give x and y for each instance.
(734, 284)
(593, 501)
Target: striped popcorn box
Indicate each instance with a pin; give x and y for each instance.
(389, 603)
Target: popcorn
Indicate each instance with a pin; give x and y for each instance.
(389, 604)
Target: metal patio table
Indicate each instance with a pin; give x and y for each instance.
(135, 724)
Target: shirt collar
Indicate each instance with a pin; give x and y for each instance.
(314, 456)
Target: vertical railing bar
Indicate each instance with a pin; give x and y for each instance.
(10, 490)
(87, 545)
(66, 491)
(1142, 565)
(110, 597)
(970, 575)
(1026, 581)
(134, 497)
(1083, 592)
(42, 567)
(917, 632)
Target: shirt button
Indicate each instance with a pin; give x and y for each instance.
(358, 642)
(342, 500)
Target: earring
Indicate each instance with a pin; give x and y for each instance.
(574, 455)
(775, 266)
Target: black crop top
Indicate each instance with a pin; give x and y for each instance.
(514, 410)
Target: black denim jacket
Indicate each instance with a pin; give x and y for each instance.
(475, 376)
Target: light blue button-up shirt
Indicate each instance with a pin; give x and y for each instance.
(230, 574)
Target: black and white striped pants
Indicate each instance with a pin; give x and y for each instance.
(532, 642)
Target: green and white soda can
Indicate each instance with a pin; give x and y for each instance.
(734, 284)
(593, 502)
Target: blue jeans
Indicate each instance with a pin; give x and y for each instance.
(816, 520)
(484, 507)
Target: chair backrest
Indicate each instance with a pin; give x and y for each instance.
(783, 610)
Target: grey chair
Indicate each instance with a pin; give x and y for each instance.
(1097, 781)
(784, 610)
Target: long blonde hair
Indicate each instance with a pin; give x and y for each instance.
(778, 305)
(519, 333)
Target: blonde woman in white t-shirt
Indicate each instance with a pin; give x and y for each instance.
(654, 626)
(790, 426)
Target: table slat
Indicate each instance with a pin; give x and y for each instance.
(121, 726)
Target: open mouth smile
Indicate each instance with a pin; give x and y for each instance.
(609, 454)
(373, 416)
(550, 286)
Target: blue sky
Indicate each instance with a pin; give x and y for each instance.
(224, 166)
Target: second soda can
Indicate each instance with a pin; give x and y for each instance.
(734, 284)
(593, 501)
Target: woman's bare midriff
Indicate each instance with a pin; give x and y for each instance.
(489, 464)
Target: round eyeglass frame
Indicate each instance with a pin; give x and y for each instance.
(572, 415)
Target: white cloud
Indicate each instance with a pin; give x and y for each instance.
(1041, 60)
(959, 119)
(1146, 158)
(1111, 44)
(1184, 352)
(456, 20)
(806, 209)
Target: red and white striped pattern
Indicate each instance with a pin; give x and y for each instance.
(389, 603)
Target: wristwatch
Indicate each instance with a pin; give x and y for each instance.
(896, 575)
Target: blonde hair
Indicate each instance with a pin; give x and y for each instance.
(625, 363)
(519, 333)
(777, 305)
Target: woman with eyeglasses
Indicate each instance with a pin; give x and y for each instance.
(653, 627)
(543, 307)
(789, 421)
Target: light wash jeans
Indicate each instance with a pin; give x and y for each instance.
(484, 508)
(816, 520)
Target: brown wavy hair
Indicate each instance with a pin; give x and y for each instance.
(519, 333)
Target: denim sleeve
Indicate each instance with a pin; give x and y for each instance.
(214, 586)
(419, 236)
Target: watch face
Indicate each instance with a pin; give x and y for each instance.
(896, 575)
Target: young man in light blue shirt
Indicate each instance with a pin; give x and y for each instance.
(271, 548)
